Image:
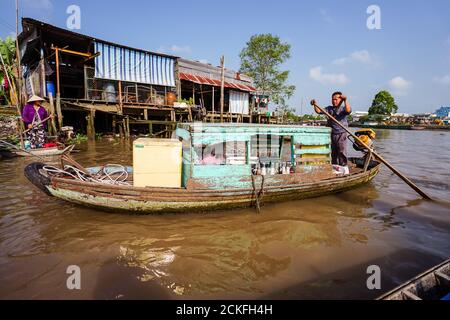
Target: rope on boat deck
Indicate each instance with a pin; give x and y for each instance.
(258, 195)
(102, 176)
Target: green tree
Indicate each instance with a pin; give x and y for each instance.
(383, 103)
(8, 53)
(261, 59)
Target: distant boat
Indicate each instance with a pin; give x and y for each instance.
(417, 128)
(433, 284)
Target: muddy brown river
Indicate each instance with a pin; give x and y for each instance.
(310, 249)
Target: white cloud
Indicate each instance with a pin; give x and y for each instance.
(399, 85)
(327, 78)
(362, 56)
(203, 61)
(443, 80)
(175, 49)
(325, 16)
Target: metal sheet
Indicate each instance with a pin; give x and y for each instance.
(118, 63)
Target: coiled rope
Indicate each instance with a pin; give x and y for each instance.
(114, 174)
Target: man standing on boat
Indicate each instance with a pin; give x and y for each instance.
(338, 135)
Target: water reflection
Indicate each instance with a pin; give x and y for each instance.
(314, 248)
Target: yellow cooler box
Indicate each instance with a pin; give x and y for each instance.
(157, 163)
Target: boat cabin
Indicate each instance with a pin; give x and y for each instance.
(221, 156)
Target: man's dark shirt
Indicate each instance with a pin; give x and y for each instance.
(340, 115)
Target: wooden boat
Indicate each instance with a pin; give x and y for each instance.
(9, 150)
(220, 186)
(44, 152)
(433, 284)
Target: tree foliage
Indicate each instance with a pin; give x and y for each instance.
(8, 53)
(383, 103)
(261, 59)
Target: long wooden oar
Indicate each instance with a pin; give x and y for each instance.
(38, 124)
(404, 178)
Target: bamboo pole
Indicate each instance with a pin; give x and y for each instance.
(222, 87)
(400, 175)
(213, 107)
(19, 72)
(52, 111)
(58, 90)
(91, 125)
(120, 98)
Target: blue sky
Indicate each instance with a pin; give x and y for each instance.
(332, 48)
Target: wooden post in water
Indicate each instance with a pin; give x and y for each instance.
(120, 98)
(90, 125)
(222, 87)
(213, 102)
(52, 111)
(114, 125)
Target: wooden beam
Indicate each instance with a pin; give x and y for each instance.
(90, 125)
(57, 71)
(120, 98)
(222, 87)
(213, 106)
(76, 53)
(52, 111)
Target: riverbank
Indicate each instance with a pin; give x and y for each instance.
(8, 126)
(403, 127)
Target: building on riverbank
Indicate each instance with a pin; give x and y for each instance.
(443, 112)
(98, 84)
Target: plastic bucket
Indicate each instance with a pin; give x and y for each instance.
(50, 86)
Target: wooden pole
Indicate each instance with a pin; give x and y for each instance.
(120, 98)
(114, 125)
(400, 175)
(19, 71)
(91, 125)
(58, 91)
(222, 87)
(213, 106)
(52, 111)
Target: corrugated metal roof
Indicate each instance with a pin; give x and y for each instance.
(214, 82)
(117, 63)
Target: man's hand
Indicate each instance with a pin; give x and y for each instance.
(30, 126)
(343, 97)
(313, 102)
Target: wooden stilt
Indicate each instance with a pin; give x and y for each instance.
(120, 98)
(90, 125)
(121, 133)
(222, 86)
(54, 131)
(58, 91)
(127, 130)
